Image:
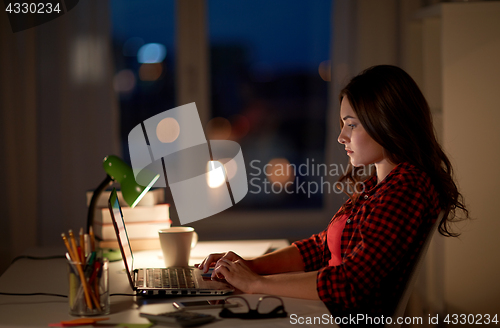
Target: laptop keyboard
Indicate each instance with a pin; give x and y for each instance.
(169, 278)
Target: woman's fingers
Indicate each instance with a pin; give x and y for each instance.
(232, 256)
(215, 258)
(222, 269)
(209, 261)
(236, 273)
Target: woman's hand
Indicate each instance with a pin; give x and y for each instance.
(245, 274)
(213, 259)
(238, 274)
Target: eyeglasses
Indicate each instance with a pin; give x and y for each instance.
(267, 307)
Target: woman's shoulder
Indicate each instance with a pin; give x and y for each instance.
(406, 181)
(409, 187)
(406, 174)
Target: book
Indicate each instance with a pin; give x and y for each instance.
(152, 197)
(135, 230)
(156, 213)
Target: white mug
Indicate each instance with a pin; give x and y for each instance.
(176, 244)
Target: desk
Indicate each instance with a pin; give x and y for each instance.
(50, 276)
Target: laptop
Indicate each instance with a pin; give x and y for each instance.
(160, 281)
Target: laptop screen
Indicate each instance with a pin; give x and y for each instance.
(121, 233)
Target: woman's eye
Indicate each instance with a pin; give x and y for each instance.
(352, 126)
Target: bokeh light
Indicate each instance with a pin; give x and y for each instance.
(325, 70)
(279, 170)
(124, 81)
(218, 128)
(151, 53)
(215, 174)
(240, 126)
(150, 72)
(168, 130)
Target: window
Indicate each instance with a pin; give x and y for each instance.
(269, 73)
(144, 56)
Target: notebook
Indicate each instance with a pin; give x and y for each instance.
(160, 281)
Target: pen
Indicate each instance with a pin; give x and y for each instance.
(90, 264)
(96, 277)
(71, 263)
(95, 270)
(73, 281)
(87, 250)
(82, 246)
(79, 252)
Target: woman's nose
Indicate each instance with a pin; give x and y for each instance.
(342, 139)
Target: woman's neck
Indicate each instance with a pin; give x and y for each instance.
(384, 167)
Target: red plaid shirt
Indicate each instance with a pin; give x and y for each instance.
(384, 231)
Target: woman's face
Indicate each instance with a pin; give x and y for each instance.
(360, 147)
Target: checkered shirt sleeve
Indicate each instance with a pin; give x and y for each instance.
(313, 251)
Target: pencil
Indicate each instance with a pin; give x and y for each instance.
(92, 239)
(78, 265)
(74, 246)
(70, 251)
(94, 298)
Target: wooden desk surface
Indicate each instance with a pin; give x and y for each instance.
(50, 276)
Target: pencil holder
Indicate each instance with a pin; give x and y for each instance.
(89, 288)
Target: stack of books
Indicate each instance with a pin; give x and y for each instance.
(143, 221)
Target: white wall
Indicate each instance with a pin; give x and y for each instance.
(471, 134)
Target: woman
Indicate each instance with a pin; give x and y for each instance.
(358, 264)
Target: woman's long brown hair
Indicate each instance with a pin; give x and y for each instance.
(394, 112)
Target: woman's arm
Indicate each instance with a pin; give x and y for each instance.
(296, 284)
(287, 259)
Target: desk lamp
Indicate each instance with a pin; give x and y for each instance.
(119, 171)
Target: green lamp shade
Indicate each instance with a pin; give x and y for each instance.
(121, 172)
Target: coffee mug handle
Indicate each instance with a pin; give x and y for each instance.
(195, 239)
